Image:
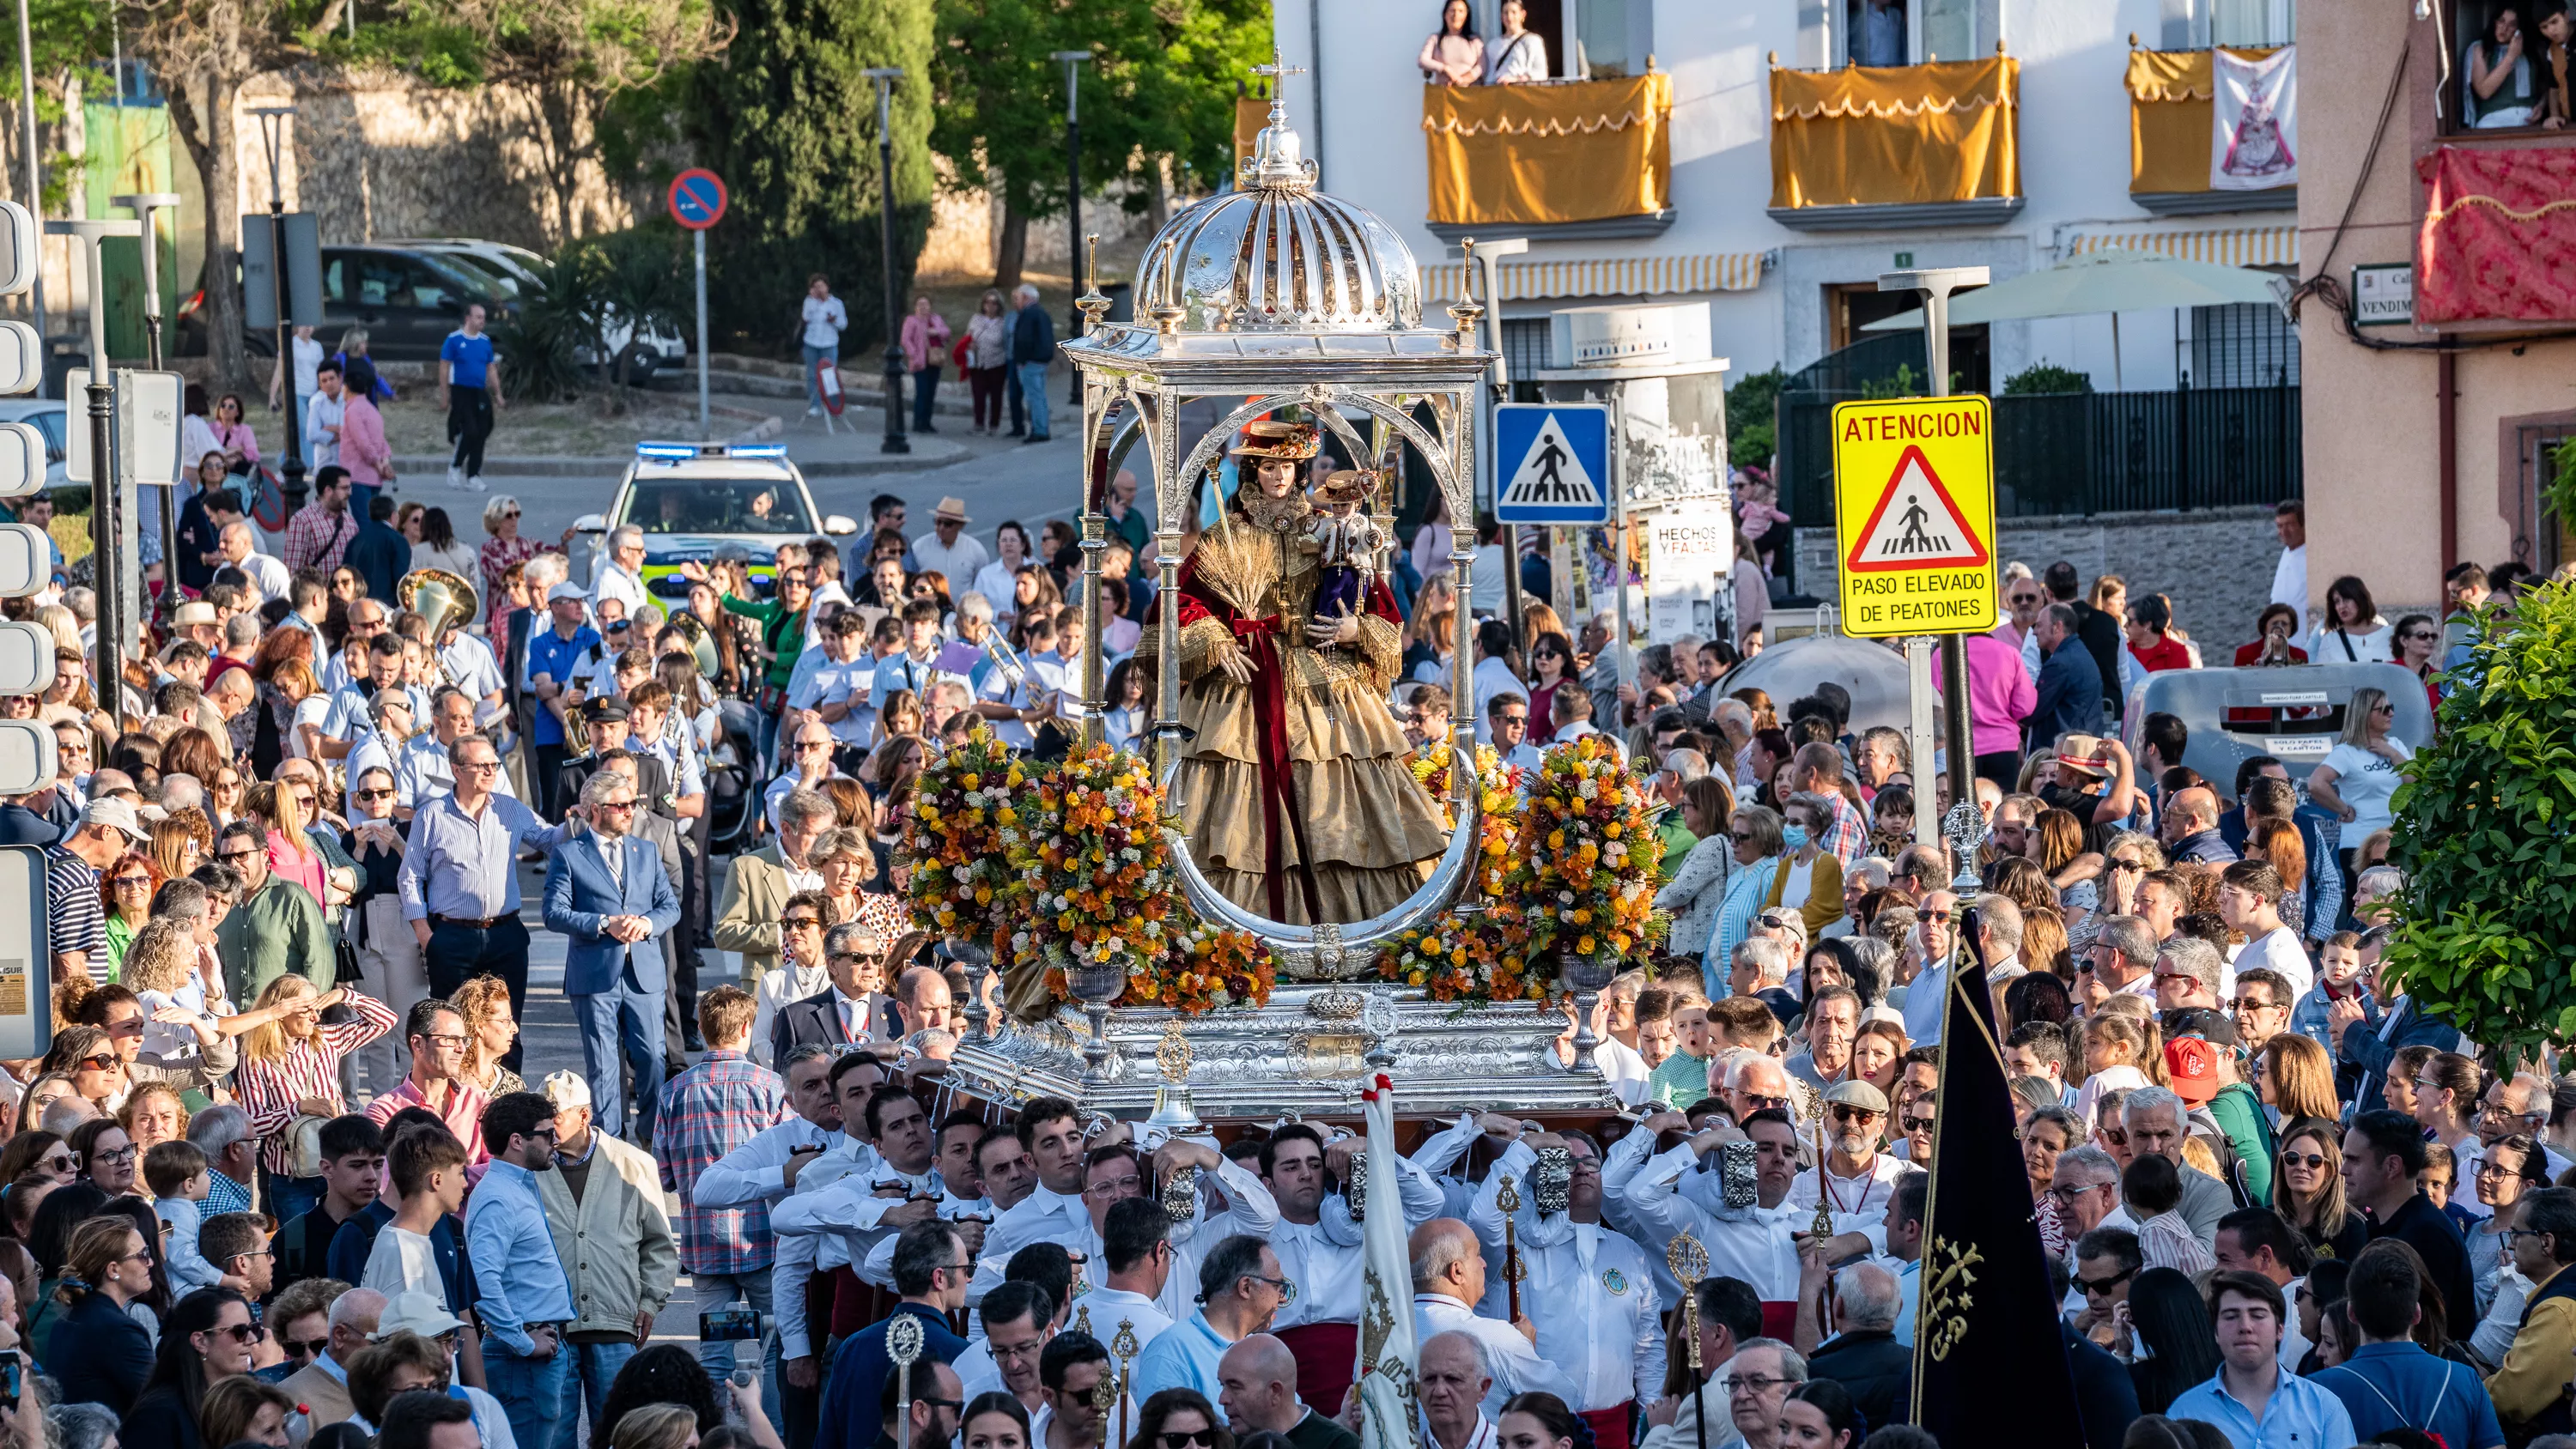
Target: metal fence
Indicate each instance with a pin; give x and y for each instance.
(2086, 453)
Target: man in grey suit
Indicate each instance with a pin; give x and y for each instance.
(608, 894)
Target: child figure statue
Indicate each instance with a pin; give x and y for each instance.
(1346, 540)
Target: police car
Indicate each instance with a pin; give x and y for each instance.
(693, 498)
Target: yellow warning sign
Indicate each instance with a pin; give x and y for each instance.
(1914, 515)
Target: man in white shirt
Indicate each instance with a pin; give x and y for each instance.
(240, 549)
(1448, 1283)
(2249, 900)
(323, 414)
(2290, 574)
(948, 549)
(1493, 674)
(1507, 725)
(1319, 1248)
(2024, 598)
(1587, 1287)
(837, 689)
(620, 575)
(853, 1077)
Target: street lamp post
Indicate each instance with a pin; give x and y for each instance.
(885, 76)
(273, 134)
(1072, 61)
(143, 204)
(35, 184)
(106, 470)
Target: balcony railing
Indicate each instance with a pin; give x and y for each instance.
(1863, 148)
(2171, 96)
(1559, 159)
(2065, 454)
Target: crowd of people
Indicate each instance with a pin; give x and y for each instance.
(279, 1178)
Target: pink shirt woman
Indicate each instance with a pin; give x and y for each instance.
(363, 450)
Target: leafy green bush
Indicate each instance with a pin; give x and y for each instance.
(1752, 417)
(543, 343)
(2046, 377)
(2486, 833)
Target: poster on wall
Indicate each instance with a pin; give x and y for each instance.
(1690, 548)
(2254, 121)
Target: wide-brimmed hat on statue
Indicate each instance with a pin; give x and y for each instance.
(1294, 442)
(1347, 485)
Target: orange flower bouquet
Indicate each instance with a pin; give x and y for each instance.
(1591, 856)
(965, 813)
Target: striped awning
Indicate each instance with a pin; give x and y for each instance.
(1605, 277)
(2248, 246)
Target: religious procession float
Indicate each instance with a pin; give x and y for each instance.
(1279, 900)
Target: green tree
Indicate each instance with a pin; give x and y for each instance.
(1157, 98)
(573, 60)
(2486, 832)
(67, 35)
(790, 123)
(1752, 417)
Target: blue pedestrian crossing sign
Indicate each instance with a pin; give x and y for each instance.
(1553, 463)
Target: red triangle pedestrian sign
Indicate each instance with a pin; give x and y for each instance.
(1915, 525)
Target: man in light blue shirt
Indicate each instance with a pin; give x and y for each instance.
(522, 1294)
(1240, 1291)
(460, 885)
(2254, 1401)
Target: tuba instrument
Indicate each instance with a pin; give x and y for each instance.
(702, 643)
(444, 599)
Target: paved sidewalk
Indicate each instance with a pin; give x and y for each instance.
(851, 449)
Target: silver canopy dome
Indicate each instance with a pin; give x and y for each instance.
(1276, 255)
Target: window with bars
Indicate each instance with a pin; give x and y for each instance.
(1525, 347)
(2243, 344)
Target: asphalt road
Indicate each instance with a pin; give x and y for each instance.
(998, 478)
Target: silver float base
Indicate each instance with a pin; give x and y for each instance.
(1310, 1050)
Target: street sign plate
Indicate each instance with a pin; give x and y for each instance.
(26, 657)
(2383, 294)
(26, 1001)
(18, 250)
(303, 272)
(1552, 461)
(1914, 515)
(22, 358)
(148, 408)
(26, 762)
(26, 560)
(697, 198)
(22, 460)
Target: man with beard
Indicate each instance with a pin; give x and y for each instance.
(522, 1295)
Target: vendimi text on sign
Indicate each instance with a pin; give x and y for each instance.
(1914, 515)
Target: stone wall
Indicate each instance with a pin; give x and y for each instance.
(2215, 566)
(379, 154)
(966, 227)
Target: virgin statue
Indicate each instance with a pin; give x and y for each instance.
(1292, 786)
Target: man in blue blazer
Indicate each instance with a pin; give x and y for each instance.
(608, 895)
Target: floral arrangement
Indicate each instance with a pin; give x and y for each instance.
(1498, 817)
(1205, 968)
(1063, 867)
(1569, 867)
(1586, 875)
(1092, 864)
(1482, 959)
(964, 805)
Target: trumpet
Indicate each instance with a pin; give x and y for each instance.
(1004, 657)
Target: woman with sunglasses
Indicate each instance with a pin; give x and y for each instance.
(43, 1092)
(91, 1345)
(179, 844)
(105, 1155)
(88, 1057)
(389, 954)
(125, 894)
(1551, 662)
(1179, 1419)
(503, 549)
(38, 1151)
(289, 1079)
(2419, 648)
(1755, 833)
(2511, 1167)
(2360, 774)
(206, 1339)
(2310, 1191)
